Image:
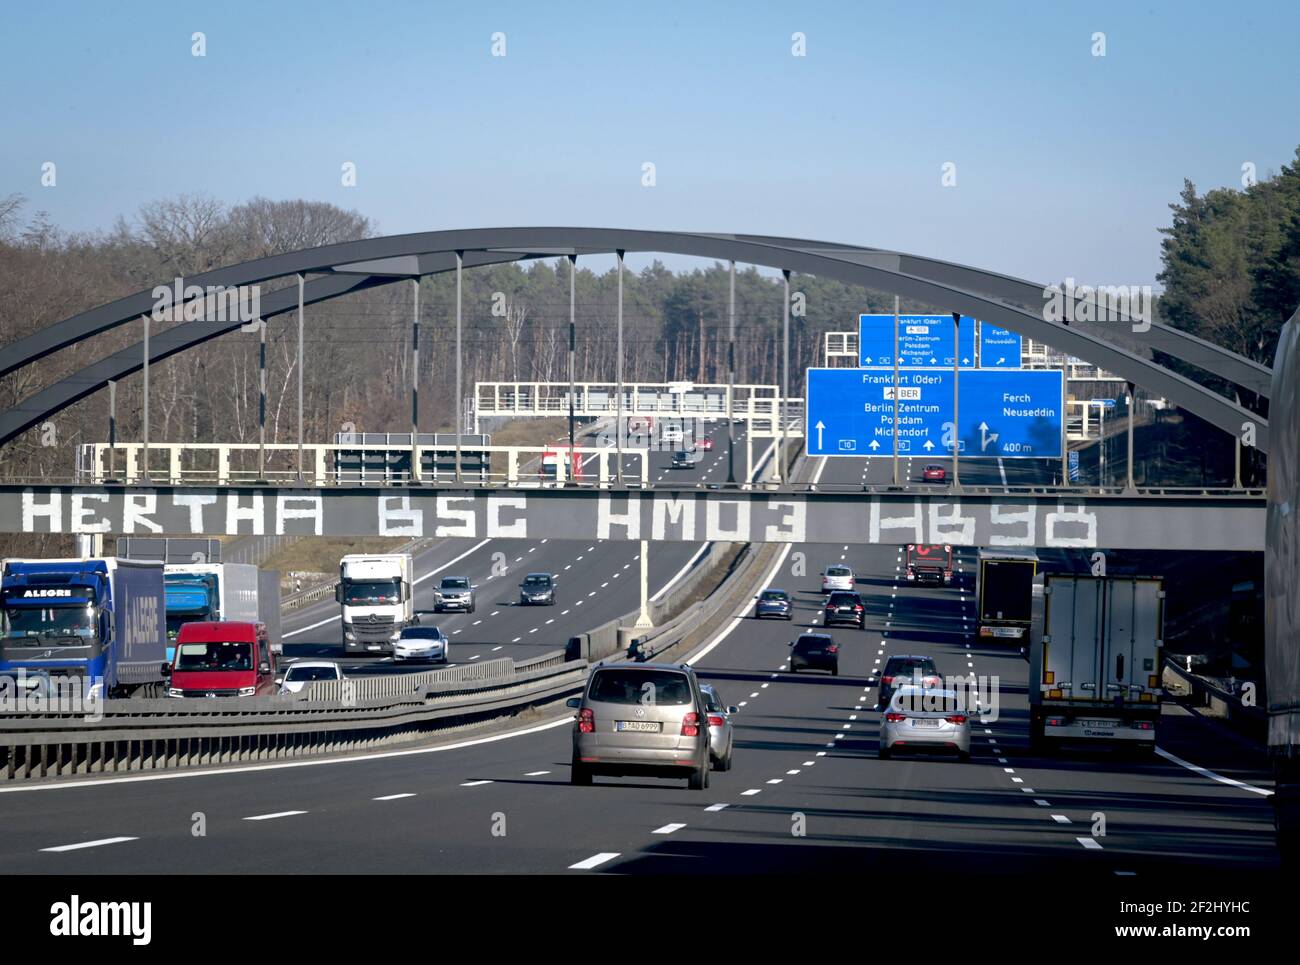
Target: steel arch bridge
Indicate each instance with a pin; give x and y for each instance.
(355, 266)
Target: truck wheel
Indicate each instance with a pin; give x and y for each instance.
(1037, 740)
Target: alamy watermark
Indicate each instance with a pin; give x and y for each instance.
(976, 696)
(24, 693)
(1099, 303)
(214, 303)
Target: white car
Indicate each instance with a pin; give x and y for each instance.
(837, 577)
(299, 675)
(421, 643)
(920, 719)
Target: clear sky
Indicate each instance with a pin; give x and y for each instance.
(1065, 162)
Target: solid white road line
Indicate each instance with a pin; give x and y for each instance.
(1211, 775)
(89, 844)
(594, 861)
(565, 721)
(273, 816)
(392, 797)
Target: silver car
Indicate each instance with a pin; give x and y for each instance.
(421, 643)
(722, 738)
(925, 719)
(454, 593)
(641, 719)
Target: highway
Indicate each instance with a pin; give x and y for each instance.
(596, 582)
(805, 760)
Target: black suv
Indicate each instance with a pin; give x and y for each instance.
(815, 651)
(845, 606)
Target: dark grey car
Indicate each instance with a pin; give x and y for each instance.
(537, 589)
(642, 719)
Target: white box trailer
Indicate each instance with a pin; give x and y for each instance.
(1094, 661)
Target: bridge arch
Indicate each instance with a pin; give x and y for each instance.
(352, 266)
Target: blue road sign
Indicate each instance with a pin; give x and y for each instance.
(1008, 414)
(923, 340)
(1074, 465)
(999, 347)
(1103, 403)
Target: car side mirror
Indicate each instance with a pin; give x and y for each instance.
(166, 670)
(790, 644)
(264, 668)
(573, 703)
(279, 681)
(338, 592)
(733, 710)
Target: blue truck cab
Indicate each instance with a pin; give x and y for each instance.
(100, 620)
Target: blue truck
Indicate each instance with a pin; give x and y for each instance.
(99, 620)
(215, 591)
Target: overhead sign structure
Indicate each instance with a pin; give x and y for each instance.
(1000, 348)
(923, 341)
(1002, 414)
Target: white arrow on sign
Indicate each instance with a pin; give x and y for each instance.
(1000, 360)
(820, 426)
(875, 444)
(986, 437)
(965, 361)
(932, 359)
(867, 360)
(929, 444)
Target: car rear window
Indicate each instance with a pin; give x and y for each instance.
(916, 701)
(906, 665)
(838, 571)
(632, 686)
(812, 643)
(843, 599)
(775, 595)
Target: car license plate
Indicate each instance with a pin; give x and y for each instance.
(1099, 724)
(648, 726)
(925, 722)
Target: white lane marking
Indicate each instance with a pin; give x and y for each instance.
(1196, 769)
(1041, 803)
(550, 621)
(716, 807)
(742, 703)
(594, 861)
(89, 844)
(534, 629)
(474, 783)
(495, 649)
(764, 686)
(494, 613)
(821, 753)
(751, 792)
(421, 579)
(564, 613)
(1089, 843)
(795, 771)
(476, 623)
(1029, 790)
(776, 780)
(565, 721)
(516, 639)
(392, 797)
(668, 829)
(536, 773)
(1061, 819)
(1009, 770)
(754, 694)
(274, 815)
(809, 763)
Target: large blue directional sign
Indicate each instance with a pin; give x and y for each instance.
(923, 340)
(1008, 414)
(999, 347)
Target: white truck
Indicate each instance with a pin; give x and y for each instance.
(376, 591)
(1094, 661)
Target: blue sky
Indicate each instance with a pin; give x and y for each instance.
(1065, 162)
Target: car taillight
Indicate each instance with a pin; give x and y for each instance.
(932, 682)
(833, 648)
(586, 722)
(691, 725)
(716, 721)
(1055, 722)
(895, 718)
(887, 680)
(857, 607)
(1143, 725)
(956, 719)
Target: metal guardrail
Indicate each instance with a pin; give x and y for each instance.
(339, 716)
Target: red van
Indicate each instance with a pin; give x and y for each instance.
(220, 659)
